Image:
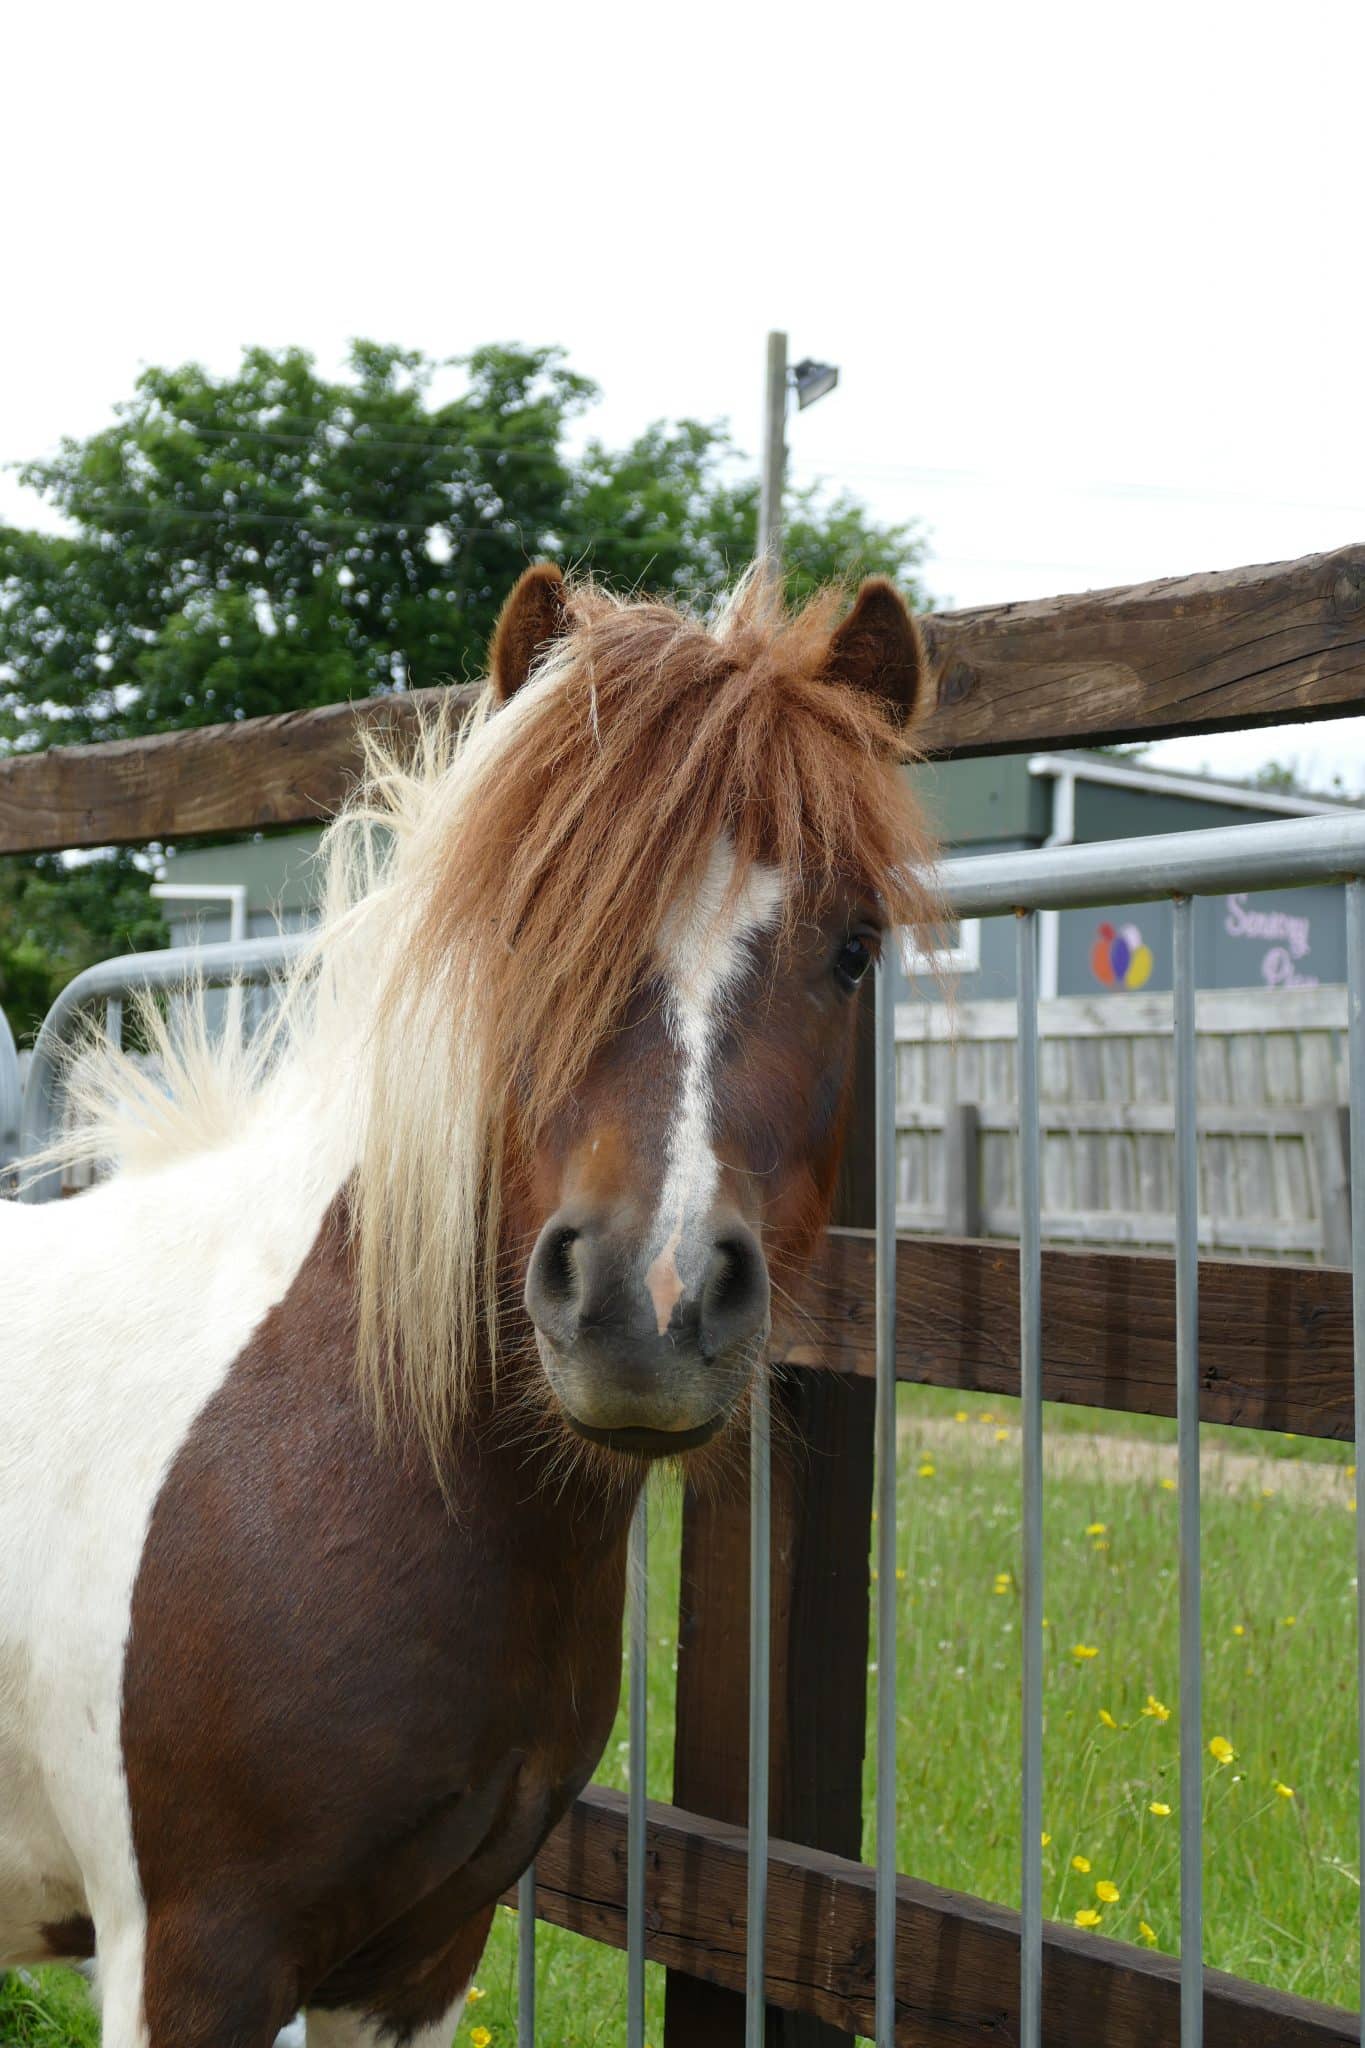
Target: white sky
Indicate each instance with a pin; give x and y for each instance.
(1093, 275)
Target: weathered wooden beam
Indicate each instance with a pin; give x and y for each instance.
(1271, 644)
(1274, 1340)
(957, 1977)
(283, 770)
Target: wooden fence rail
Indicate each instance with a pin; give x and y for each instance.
(1270, 644)
(957, 1975)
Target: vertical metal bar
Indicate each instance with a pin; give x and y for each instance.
(113, 1020)
(635, 1817)
(1355, 991)
(1031, 1450)
(1187, 1451)
(526, 1958)
(760, 1584)
(885, 1283)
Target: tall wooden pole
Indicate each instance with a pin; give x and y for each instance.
(774, 453)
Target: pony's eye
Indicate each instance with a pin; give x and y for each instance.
(856, 955)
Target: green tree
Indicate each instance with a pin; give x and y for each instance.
(57, 919)
(274, 539)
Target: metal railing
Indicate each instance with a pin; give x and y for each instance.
(11, 1095)
(1177, 866)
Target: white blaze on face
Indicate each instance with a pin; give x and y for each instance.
(703, 951)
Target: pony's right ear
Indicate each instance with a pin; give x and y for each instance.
(878, 649)
(536, 613)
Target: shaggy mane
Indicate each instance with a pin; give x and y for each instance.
(490, 907)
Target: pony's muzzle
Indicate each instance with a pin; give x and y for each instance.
(648, 1353)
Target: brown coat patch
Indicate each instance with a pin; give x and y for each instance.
(350, 1714)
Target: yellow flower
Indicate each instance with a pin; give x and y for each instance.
(1350, 1471)
(1168, 1486)
(1154, 1710)
(985, 1416)
(1285, 1791)
(926, 1470)
(1107, 1718)
(1046, 1838)
(1096, 1529)
(1003, 1581)
(1237, 1629)
(961, 1415)
(1159, 1808)
(1002, 1436)
(1081, 1863)
(1088, 1917)
(1221, 1750)
(1267, 1493)
(900, 1571)
(1290, 1619)
(479, 2037)
(1103, 1544)
(1082, 1651)
(474, 1994)
(1148, 1933)
(1107, 1892)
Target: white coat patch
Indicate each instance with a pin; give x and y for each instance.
(703, 951)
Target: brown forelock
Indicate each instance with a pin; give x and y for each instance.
(351, 1711)
(657, 736)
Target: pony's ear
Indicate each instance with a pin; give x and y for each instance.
(536, 613)
(878, 649)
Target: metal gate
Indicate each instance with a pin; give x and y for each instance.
(1177, 868)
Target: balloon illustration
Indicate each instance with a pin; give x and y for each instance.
(1119, 959)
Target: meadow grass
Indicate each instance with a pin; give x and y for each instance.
(1282, 1887)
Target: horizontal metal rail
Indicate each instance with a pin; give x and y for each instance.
(245, 962)
(1283, 855)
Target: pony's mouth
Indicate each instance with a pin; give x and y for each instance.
(647, 1443)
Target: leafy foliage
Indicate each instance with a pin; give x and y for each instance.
(56, 920)
(275, 540)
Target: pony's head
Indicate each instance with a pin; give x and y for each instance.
(668, 856)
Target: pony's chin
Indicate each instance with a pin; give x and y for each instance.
(647, 1443)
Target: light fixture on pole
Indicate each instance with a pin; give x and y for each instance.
(810, 380)
(813, 380)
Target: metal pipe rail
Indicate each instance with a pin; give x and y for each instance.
(10, 1095)
(1179, 867)
(244, 963)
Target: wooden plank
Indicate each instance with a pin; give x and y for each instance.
(1129, 1016)
(1274, 1341)
(821, 1509)
(957, 1957)
(1264, 645)
(1268, 645)
(288, 769)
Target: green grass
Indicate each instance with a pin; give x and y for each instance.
(1280, 1873)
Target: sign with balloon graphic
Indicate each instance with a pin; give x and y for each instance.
(1118, 957)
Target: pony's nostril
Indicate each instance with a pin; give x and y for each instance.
(552, 1281)
(734, 1302)
(559, 1278)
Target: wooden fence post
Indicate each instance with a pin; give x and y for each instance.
(821, 1519)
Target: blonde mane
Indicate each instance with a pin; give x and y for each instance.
(490, 904)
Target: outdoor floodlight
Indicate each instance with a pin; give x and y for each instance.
(812, 381)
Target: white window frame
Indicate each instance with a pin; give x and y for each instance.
(963, 958)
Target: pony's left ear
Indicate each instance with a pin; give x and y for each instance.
(878, 649)
(536, 613)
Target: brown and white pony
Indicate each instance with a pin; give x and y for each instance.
(322, 1419)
